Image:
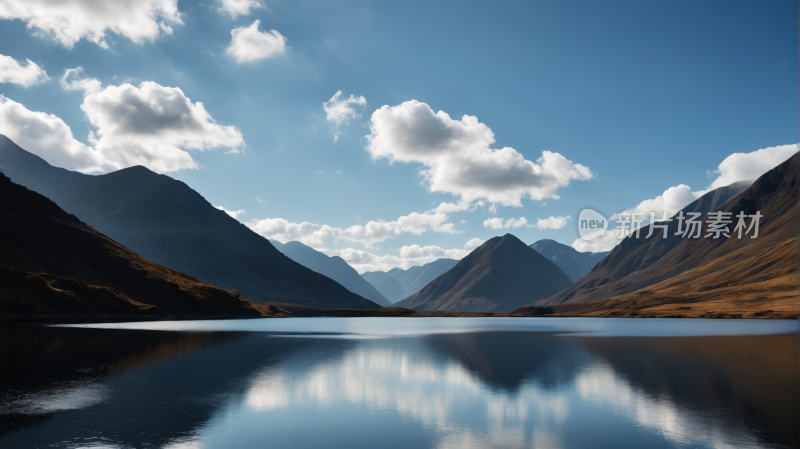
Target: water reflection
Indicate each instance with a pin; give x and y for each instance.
(126, 388)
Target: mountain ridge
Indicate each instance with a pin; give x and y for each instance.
(573, 263)
(500, 275)
(51, 263)
(634, 255)
(167, 222)
(333, 267)
(712, 278)
(397, 284)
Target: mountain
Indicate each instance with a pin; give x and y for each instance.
(391, 288)
(705, 276)
(51, 263)
(333, 267)
(31, 171)
(611, 276)
(166, 222)
(409, 281)
(500, 275)
(572, 262)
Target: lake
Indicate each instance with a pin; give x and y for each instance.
(402, 382)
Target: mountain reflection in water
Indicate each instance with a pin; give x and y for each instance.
(73, 387)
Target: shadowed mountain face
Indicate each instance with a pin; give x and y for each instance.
(656, 272)
(31, 171)
(500, 275)
(53, 264)
(573, 263)
(165, 221)
(333, 267)
(398, 284)
(391, 288)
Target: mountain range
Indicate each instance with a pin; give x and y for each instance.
(166, 222)
(573, 263)
(498, 276)
(51, 263)
(724, 277)
(333, 267)
(622, 271)
(397, 283)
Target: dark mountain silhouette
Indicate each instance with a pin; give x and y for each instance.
(31, 171)
(333, 267)
(573, 263)
(500, 275)
(407, 282)
(53, 264)
(705, 276)
(165, 221)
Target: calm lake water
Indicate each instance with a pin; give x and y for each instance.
(402, 382)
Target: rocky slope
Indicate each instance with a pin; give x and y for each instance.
(53, 264)
(726, 277)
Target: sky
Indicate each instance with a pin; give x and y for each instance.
(396, 133)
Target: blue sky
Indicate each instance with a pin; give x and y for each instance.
(644, 95)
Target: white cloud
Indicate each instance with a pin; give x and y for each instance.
(261, 201)
(541, 223)
(67, 22)
(552, 222)
(72, 80)
(416, 252)
(233, 213)
(29, 74)
(599, 242)
(341, 110)
(474, 243)
(149, 125)
(153, 125)
(236, 8)
(250, 45)
(48, 137)
(316, 235)
(734, 168)
(408, 256)
(742, 166)
(457, 158)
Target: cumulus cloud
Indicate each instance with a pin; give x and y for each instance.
(316, 235)
(552, 222)
(734, 168)
(541, 223)
(153, 125)
(149, 125)
(474, 243)
(233, 213)
(407, 256)
(68, 22)
(457, 158)
(599, 242)
(48, 137)
(250, 45)
(73, 79)
(26, 75)
(340, 110)
(236, 8)
(743, 166)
